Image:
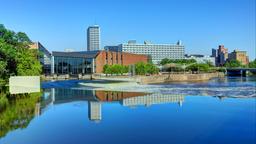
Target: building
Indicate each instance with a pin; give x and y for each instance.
(45, 56)
(151, 99)
(93, 38)
(156, 52)
(94, 110)
(112, 48)
(240, 56)
(88, 62)
(201, 58)
(221, 55)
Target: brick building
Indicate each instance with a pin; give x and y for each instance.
(240, 56)
(44, 58)
(221, 55)
(88, 62)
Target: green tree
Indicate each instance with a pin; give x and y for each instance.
(202, 67)
(140, 68)
(143, 68)
(233, 64)
(22, 37)
(15, 56)
(252, 64)
(177, 61)
(115, 69)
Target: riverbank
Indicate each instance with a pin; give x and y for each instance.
(163, 78)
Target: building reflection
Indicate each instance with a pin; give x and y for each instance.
(94, 110)
(97, 98)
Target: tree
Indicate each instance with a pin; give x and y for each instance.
(15, 57)
(233, 64)
(142, 68)
(115, 69)
(177, 61)
(199, 67)
(22, 37)
(252, 64)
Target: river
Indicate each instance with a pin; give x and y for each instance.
(218, 111)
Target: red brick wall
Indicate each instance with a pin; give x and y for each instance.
(115, 58)
(116, 96)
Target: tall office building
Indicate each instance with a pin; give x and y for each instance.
(93, 38)
(221, 55)
(94, 108)
(157, 52)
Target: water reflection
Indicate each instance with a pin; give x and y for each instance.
(19, 112)
(21, 109)
(97, 98)
(24, 84)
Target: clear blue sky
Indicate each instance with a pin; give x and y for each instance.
(200, 24)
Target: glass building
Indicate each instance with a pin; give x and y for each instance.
(73, 62)
(44, 58)
(157, 52)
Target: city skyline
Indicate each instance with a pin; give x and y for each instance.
(200, 25)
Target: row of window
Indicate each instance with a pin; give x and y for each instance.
(65, 65)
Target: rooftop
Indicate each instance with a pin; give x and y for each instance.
(83, 54)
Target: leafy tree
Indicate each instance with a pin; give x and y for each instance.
(233, 64)
(252, 64)
(115, 69)
(142, 68)
(22, 37)
(15, 56)
(177, 61)
(199, 67)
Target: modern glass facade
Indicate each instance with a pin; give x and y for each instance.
(72, 65)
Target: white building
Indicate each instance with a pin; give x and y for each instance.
(151, 99)
(93, 38)
(157, 52)
(94, 110)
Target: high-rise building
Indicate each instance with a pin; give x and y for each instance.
(93, 38)
(156, 52)
(240, 56)
(94, 108)
(221, 55)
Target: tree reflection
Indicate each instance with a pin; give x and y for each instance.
(18, 112)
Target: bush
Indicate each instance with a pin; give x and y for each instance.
(233, 64)
(177, 61)
(3, 101)
(115, 69)
(199, 67)
(142, 68)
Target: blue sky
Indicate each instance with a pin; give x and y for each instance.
(200, 24)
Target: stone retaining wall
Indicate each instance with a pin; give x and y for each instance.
(177, 78)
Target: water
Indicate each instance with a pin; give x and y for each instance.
(218, 111)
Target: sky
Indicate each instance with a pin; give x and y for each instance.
(200, 24)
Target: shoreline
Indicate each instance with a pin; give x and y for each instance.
(164, 78)
(152, 79)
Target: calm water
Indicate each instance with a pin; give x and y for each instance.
(219, 111)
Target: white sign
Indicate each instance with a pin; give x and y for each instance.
(24, 84)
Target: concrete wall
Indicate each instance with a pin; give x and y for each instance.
(177, 78)
(24, 84)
